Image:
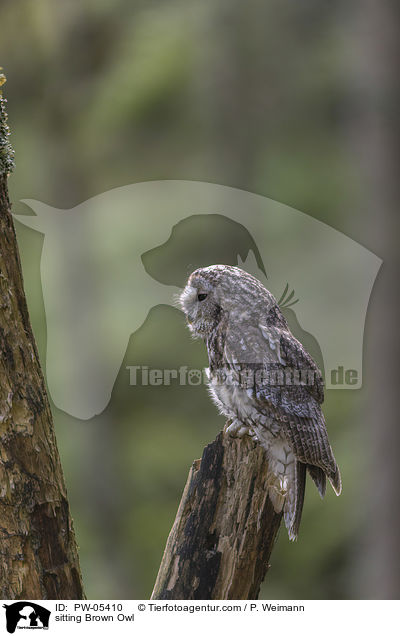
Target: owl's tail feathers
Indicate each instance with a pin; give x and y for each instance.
(287, 493)
(335, 479)
(319, 478)
(295, 500)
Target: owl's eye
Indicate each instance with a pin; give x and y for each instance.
(201, 297)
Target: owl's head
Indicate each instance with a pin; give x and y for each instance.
(200, 301)
(220, 290)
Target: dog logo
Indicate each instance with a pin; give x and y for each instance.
(26, 615)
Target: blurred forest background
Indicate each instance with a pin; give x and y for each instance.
(297, 101)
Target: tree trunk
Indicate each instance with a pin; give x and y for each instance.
(225, 527)
(38, 553)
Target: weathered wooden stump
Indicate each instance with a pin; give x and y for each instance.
(225, 528)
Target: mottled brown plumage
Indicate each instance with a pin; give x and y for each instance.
(263, 381)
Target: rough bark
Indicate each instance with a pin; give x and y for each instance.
(38, 553)
(225, 527)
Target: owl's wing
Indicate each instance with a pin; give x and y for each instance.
(291, 353)
(290, 390)
(286, 375)
(309, 440)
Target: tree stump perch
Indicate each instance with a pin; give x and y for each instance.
(225, 528)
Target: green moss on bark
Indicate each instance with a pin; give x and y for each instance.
(6, 150)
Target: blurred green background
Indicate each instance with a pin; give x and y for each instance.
(257, 95)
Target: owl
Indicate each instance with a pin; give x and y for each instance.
(263, 381)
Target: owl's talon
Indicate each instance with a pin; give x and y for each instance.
(226, 426)
(234, 428)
